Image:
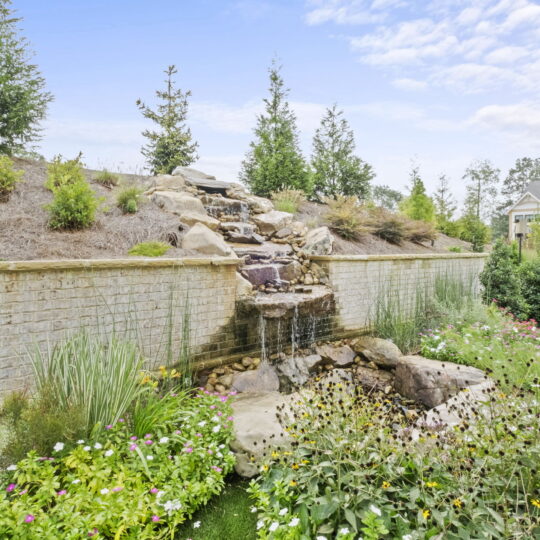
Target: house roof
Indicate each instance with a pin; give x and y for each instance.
(533, 189)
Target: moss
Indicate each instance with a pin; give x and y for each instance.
(149, 249)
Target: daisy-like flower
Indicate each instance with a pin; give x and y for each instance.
(344, 530)
(76, 481)
(149, 442)
(133, 447)
(320, 537)
(133, 438)
(98, 446)
(406, 537)
(59, 446)
(375, 510)
(294, 522)
(202, 423)
(104, 491)
(61, 492)
(109, 426)
(164, 440)
(117, 489)
(283, 511)
(188, 450)
(155, 519)
(253, 509)
(273, 526)
(215, 429)
(11, 468)
(150, 457)
(197, 524)
(260, 524)
(109, 452)
(535, 502)
(80, 441)
(87, 448)
(426, 513)
(11, 487)
(171, 506)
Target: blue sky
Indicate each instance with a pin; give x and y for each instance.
(440, 82)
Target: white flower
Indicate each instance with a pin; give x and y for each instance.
(197, 524)
(406, 537)
(221, 446)
(87, 448)
(273, 526)
(80, 441)
(76, 481)
(159, 494)
(252, 509)
(109, 453)
(203, 423)
(320, 537)
(11, 468)
(283, 511)
(170, 506)
(58, 446)
(215, 429)
(149, 457)
(219, 454)
(215, 418)
(294, 522)
(260, 524)
(98, 446)
(164, 440)
(104, 491)
(344, 530)
(375, 510)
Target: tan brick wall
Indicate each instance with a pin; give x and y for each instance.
(358, 281)
(41, 302)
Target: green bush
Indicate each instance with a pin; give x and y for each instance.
(107, 178)
(530, 275)
(128, 199)
(475, 232)
(61, 173)
(74, 206)
(288, 200)
(116, 485)
(8, 178)
(455, 249)
(345, 217)
(150, 249)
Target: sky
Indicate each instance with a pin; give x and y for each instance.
(438, 83)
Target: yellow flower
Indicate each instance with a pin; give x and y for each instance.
(162, 368)
(502, 395)
(305, 461)
(457, 503)
(295, 466)
(265, 468)
(275, 454)
(293, 483)
(386, 485)
(432, 484)
(426, 513)
(305, 415)
(536, 502)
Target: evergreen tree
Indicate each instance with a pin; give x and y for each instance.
(172, 146)
(445, 202)
(23, 99)
(274, 161)
(337, 171)
(418, 205)
(483, 179)
(524, 171)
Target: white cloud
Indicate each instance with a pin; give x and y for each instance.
(506, 55)
(409, 84)
(225, 118)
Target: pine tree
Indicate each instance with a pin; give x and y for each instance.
(23, 99)
(445, 202)
(483, 179)
(337, 171)
(274, 161)
(524, 171)
(172, 146)
(418, 205)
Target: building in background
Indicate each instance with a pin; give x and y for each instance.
(525, 210)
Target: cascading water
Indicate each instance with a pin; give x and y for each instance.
(262, 339)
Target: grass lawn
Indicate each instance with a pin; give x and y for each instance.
(226, 517)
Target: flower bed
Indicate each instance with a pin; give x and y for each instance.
(118, 485)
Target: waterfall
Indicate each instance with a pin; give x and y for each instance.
(262, 339)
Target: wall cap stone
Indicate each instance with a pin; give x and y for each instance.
(398, 257)
(89, 264)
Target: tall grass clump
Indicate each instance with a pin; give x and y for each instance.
(346, 218)
(288, 200)
(128, 199)
(107, 178)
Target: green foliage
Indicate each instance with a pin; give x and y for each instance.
(115, 486)
(418, 205)
(501, 280)
(128, 199)
(107, 178)
(388, 226)
(483, 179)
(420, 231)
(274, 161)
(150, 249)
(455, 249)
(535, 235)
(445, 204)
(345, 217)
(524, 171)
(451, 228)
(172, 146)
(473, 231)
(530, 275)
(386, 197)
(8, 178)
(288, 200)
(23, 99)
(336, 170)
(62, 173)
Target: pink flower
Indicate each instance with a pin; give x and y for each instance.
(220, 413)
(210, 452)
(29, 518)
(148, 442)
(148, 435)
(177, 432)
(11, 487)
(121, 420)
(133, 447)
(23, 492)
(61, 492)
(109, 426)
(230, 418)
(117, 489)
(188, 450)
(218, 469)
(223, 398)
(93, 532)
(133, 438)
(155, 518)
(154, 490)
(198, 434)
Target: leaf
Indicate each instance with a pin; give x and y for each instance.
(322, 512)
(350, 516)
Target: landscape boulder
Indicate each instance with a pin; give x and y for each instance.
(201, 238)
(243, 286)
(432, 382)
(297, 369)
(201, 180)
(341, 357)
(373, 379)
(167, 182)
(257, 205)
(382, 352)
(271, 222)
(178, 203)
(263, 379)
(191, 218)
(319, 241)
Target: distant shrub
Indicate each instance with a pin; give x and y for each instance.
(128, 199)
(530, 274)
(420, 231)
(74, 206)
(61, 173)
(388, 226)
(288, 200)
(345, 217)
(8, 178)
(150, 249)
(475, 232)
(107, 178)
(455, 249)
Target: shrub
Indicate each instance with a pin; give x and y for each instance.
(455, 249)
(420, 231)
(8, 178)
(388, 226)
(116, 485)
(128, 199)
(288, 200)
(61, 173)
(107, 178)
(150, 249)
(345, 217)
(530, 275)
(475, 232)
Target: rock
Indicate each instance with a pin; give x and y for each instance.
(265, 251)
(167, 182)
(319, 241)
(264, 379)
(238, 367)
(201, 180)
(257, 205)
(308, 279)
(243, 286)
(239, 238)
(190, 218)
(220, 388)
(294, 371)
(374, 380)
(283, 233)
(177, 203)
(226, 380)
(382, 352)
(342, 356)
(299, 228)
(201, 238)
(432, 382)
(271, 222)
(222, 205)
(255, 421)
(247, 361)
(291, 271)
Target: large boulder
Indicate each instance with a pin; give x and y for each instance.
(341, 356)
(257, 205)
(319, 241)
(191, 218)
(178, 203)
(297, 369)
(432, 382)
(257, 428)
(201, 238)
(167, 182)
(243, 286)
(382, 352)
(201, 180)
(271, 222)
(263, 379)
(373, 379)
(222, 205)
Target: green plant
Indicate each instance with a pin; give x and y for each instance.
(418, 205)
(388, 226)
(62, 173)
(345, 216)
(474, 231)
(107, 178)
(116, 485)
(455, 249)
(288, 200)
(128, 199)
(150, 249)
(8, 178)
(530, 276)
(420, 231)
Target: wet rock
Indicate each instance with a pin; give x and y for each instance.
(264, 379)
(259, 274)
(201, 238)
(265, 251)
(257, 205)
(341, 357)
(382, 352)
(319, 241)
(374, 380)
(190, 218)
(271, 222)
(432, 382)
(221, 205)
(177, 203)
